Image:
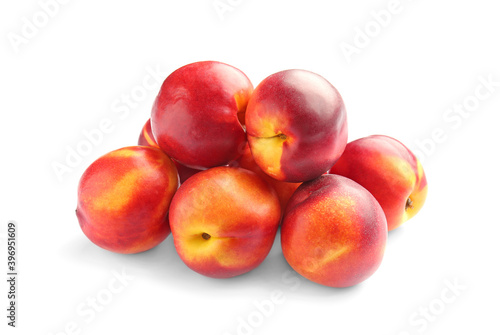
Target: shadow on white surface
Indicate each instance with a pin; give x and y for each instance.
(163, 265)
(396, 233)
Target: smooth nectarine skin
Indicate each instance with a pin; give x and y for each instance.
(283, 189)
(390, 171)
(123, 199)
(334, 232)
(224, 221)
(196, 116)
(146, 138)
(296, 125)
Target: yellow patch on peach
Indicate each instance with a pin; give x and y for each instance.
(196, 249)
(267, 145)
(150, 140)
(268, 151)
(393, 166)
(322, 259)
(241, 99)
(266, 127)
(123, 153)
(118, 194)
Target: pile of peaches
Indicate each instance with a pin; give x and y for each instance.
(224, 167)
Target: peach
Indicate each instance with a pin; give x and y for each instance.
(224, 221)
(124, 197)
(296, 125)
(334, 232)
(283, 189)
(390, 171)
(196, 116)
(146, 138)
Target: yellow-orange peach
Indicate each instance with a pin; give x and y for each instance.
(123, 199)
(390, 171)
(224, 221)
(334, 232)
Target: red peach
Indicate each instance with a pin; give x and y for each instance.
(390, 171)
(123, 199)
(224, 221)
(296, 125)
(334, 232)
(196, 115)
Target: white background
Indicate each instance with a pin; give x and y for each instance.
(75, 70)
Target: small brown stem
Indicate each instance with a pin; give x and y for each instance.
(206, 236)
(409, 204)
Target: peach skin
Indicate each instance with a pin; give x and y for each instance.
(296, 125)
(334, 232)
(146, 138)
(196, 116)
(390, 171)
(224, 221)
(282, 188)
(123, 199)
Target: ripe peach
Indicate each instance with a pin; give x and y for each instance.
(123, 199)
(296, 125)
(224, 221)
(282, 188)
(334, 232)
(390, 171)
(146, 138)
(196, 115)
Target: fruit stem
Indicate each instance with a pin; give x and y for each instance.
(409, 204)
(206, 236)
